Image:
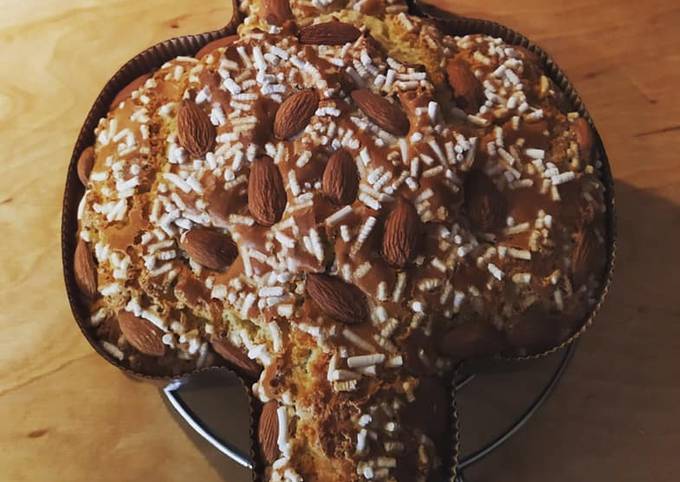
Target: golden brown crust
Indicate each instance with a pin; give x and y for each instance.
(304, 11)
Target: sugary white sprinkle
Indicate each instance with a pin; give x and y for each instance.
(365, 360)
(495, 271)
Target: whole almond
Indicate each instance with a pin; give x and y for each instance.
(276, 12)
(486, 207)
(84, 166)
(400, 238)
(329, 33)
(336, 298)
(387, 115)
(294, 113)
(268, 432)
(210, 248)
(468, 91)
(584, 138)
(195, 131)
(340, 180)
(85, 270)
(235, 356)
(583, 260)
(141, 334)
(266, 194)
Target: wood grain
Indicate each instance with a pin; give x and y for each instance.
(67, 415)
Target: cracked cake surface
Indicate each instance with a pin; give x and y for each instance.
(340, 202)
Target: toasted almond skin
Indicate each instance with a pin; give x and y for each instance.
(128, 89)
(400, 238)
(485, 205)
(216, 44)
(85, 270)
(268, 432)
(195, 131)
(329, 33)
(294, 113)
(141, 334)
(85, 163)
(276, 12)
(340, 300)
(340, 180)
(468, 91)
(389, 116)
(210, 248)
(266, 194)
(584, 138)
(235, 356)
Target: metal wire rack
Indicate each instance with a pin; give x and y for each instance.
(478, 454)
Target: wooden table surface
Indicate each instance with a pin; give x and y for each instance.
(65, 415)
